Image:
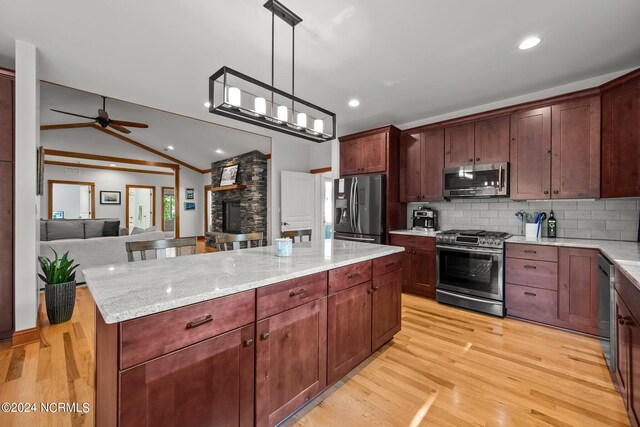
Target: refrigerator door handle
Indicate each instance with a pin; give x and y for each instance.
(357, 205)
(351, 207)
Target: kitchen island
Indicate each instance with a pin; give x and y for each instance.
(241, 337)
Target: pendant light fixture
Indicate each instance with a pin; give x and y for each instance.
(240, 97)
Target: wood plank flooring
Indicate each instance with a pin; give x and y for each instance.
(447, 367)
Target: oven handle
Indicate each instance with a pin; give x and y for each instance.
(470, 249)
(467, 297)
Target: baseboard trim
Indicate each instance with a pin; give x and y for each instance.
(27, 336)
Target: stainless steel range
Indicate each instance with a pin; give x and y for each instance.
(469, 270)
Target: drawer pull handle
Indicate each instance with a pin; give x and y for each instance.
(528, 251)
(389, 264)
(352, 275)
(248, 343)
(302, 291)
(196, 323)
(531, 267)
(530, 294)
(264, 336)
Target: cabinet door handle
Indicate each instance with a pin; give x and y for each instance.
(531, 267)
(413, 252)
(370, 291)
(546, 192)
(529, 251)
(471, 160)
(389, 264)
(196, 323)
(264, 336)
(555, 191)
(352, 275)
(477, 159)
(530, 294)
(302, 291)
(248, 343)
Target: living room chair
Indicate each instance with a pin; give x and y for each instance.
(180, 246)
(296, 233)
(225, 242)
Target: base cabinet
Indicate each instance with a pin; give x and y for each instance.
(386, 308)
(209, 383)
(418, 264)
(291, 360)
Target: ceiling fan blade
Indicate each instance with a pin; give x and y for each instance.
(73, 114)
(66, 126)
(119, 128)
(103, 114)
(130, 124)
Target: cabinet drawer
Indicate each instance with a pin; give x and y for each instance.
(531, 303)
(348, 276)
(152, 336)
(538, 274)
(535, 252)
(387, 264)
(282, 296)
(413, 241)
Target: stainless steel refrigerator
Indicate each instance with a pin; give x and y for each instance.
(360, 208)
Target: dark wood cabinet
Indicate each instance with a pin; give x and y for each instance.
(209, 383)
(620, 136)
(386, 308)
(291, 360)
(418, 264)
(530, 154)
(421, 164)
(350, 157)
(575, 142)
(492, 140)
(6, 203)
(459, 145)
(363, 155)
(578, 289)
(623, 349)
(349, 330)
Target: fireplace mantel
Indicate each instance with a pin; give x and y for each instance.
(229, 187)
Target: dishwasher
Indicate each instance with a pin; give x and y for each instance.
(606, 311)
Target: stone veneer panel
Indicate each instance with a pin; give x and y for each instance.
(604, 219)
(252, 172)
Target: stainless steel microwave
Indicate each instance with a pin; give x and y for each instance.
(477, 181)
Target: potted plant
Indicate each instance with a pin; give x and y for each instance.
(60, 286)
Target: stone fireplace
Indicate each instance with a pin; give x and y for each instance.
(241, 210)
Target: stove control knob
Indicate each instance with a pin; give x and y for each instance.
(496, 242)
(483, 241)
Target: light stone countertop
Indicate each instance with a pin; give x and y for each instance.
(625, 255)
(127, 291)
(415, 233)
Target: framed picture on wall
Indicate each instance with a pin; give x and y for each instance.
(190, 194)
(189, 206)
(57, 215)
(110, 198)
(229, 175)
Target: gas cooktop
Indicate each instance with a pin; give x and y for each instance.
(492, 239)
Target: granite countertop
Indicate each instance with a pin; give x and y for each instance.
(127, 291)
(415, 233)
(625, 255)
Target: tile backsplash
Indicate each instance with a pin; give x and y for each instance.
(608, 219)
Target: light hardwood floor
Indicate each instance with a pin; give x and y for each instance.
(446, 367)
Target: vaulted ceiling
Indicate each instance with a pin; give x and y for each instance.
(404, 60)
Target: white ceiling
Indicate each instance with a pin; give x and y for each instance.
(405, 60)
(194, 141)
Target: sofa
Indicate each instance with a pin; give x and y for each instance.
(86, 244)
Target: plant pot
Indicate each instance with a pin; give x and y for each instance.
(60, 299)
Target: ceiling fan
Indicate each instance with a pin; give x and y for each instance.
(102, 119)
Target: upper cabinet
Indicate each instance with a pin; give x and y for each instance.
(482, 142)
(555, 151)
(364, 155)
(621, 139)
(459, 145)
(531, 154)
(421, 164)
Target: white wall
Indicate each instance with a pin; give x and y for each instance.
(27, 138)
(320, 155)
(108, 180)
(192, 222)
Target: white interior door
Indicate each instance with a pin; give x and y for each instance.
(297, 201)
(140, 207)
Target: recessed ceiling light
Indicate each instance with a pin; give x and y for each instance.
(219, 151)
(113, 165)
(169, 147)
(207, 104)
(529, 42)
(354, 102)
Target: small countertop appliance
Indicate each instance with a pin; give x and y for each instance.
(424, 219)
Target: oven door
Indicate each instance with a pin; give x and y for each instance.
(470, 270)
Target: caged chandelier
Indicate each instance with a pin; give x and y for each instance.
(238, 96)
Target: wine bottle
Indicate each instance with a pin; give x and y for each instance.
(551, 226)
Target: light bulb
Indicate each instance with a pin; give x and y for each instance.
(260, 105)
(233, 96)
(318, 125)
(302, 120)
(283, 113)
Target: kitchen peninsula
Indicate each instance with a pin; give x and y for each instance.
(241, 337)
